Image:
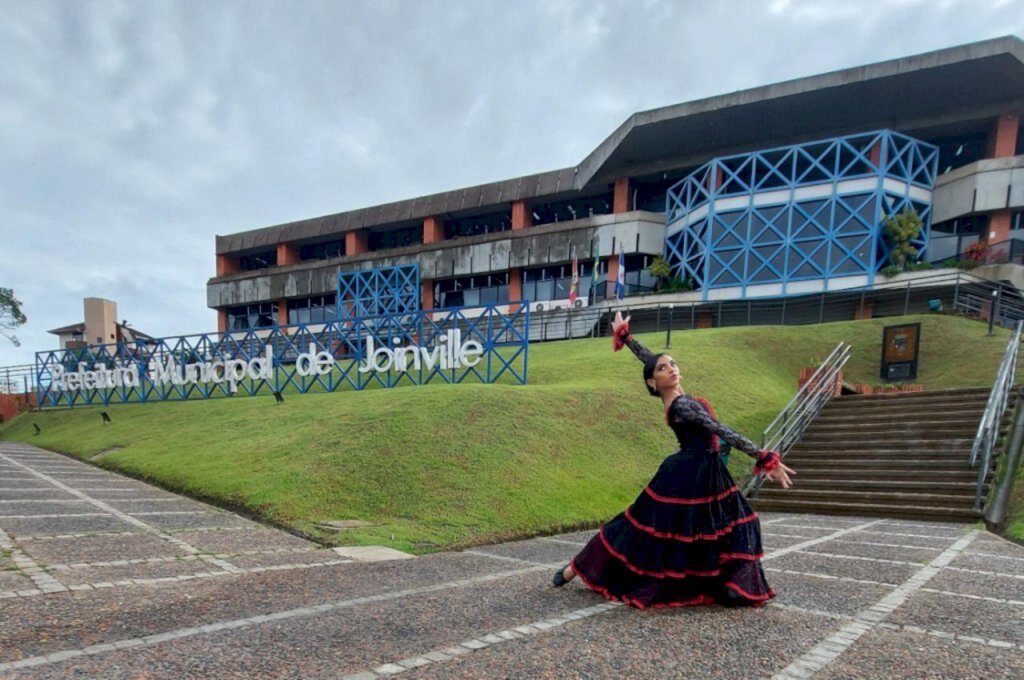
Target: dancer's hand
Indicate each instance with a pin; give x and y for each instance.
(618, 322)
(781, 475)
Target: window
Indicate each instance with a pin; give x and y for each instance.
(395, 238)
(481, 224)
(956, 152)
(322, 251)
(316, 309)
(260, 260)
(263, 315)
(469, 291)
(553, 283)
(573, 209)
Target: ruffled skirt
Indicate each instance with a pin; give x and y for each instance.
(690, 538)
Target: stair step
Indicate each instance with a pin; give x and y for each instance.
(918, 396)
(866, 509)
(893, 430)
(853, 463)
(908, 485)
(970, 420)
(922, 407)
(965, 500)
(805, 472)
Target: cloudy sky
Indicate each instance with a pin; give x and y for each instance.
(131, 133)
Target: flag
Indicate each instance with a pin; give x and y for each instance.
(593, 273)
(575, 284)
(620, 278)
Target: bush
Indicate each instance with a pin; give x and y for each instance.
(950, 262)
(920, 266)
(890, 271)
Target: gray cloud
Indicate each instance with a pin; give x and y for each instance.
(135, 132)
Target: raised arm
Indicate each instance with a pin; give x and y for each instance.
(691, 410)
(621, 338)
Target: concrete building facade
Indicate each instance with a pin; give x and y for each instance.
(515, 239)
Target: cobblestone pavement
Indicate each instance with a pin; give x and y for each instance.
(103, 576)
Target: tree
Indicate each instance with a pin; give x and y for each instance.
(661, 270)
(11, 315)
(900, 229)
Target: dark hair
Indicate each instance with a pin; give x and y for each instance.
(649, 367)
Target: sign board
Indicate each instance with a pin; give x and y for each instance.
(900, 346)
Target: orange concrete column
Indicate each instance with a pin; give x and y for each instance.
(875, 154)
(287, 253)
(222, 321)
(999, 226)
(426, 294)
(1002, 137)
(620, 200)
(226, 265)
(433, 229)
(356, 242)
(613, 274)
(864, 311)
(515, 287)
(704, 319)
(715, 178)
(282, 312)
(521, 215)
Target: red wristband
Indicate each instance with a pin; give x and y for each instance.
(767, 461)
(620, 337)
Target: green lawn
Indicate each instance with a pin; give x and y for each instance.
(442, 466)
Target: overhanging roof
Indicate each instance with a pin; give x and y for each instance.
(912, 93)
(897, 94)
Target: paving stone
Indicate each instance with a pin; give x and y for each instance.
(63, 525)
(100, 548)
(207, 519)
(831, 595)
(132, 506)
(986, 543)
(872, 571)
(934, 611)
(1003, 587)
(919, 555)
(117, 573)
(14, 581)
(534, 550)
(41, 492)
(255, 538)
(286, 558)
(884, 653)
(61, 506)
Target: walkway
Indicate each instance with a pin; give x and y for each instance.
(103, 576)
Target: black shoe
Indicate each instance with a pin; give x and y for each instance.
(559, 579)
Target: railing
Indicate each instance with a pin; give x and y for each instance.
(991, 420)
(997, 509)
(20, 379)
(804, 407)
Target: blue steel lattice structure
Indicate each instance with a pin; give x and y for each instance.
(797, 219)
(378, 292)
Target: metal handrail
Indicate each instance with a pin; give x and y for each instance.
(787, 427)
(991, 419)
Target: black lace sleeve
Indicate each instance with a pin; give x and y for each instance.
(641, 352)
(689, 409)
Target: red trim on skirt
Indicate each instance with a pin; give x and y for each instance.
(691, 501)
(633, 602)
(724, 531)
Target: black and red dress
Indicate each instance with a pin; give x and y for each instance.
(690, 538)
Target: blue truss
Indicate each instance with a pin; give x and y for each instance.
(811, 211)
(502, 336)
(377, 292)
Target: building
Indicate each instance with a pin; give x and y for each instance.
(99, 328)
(773, 191)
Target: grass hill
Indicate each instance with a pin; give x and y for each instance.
(441, 466)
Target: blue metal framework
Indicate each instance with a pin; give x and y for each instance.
(377, 292)
(172, 369)
(811, 211)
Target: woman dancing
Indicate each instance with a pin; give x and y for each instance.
(690, 538)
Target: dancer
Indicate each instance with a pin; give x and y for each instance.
(690, 538)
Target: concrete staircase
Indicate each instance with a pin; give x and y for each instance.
(890, 455)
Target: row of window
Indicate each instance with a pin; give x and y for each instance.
(539, 285)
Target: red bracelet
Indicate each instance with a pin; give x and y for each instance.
(620, 337)
(767, 462)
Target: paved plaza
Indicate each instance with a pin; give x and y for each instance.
(105, 576)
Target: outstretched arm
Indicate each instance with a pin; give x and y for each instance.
(621, 338)
(767, 462)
